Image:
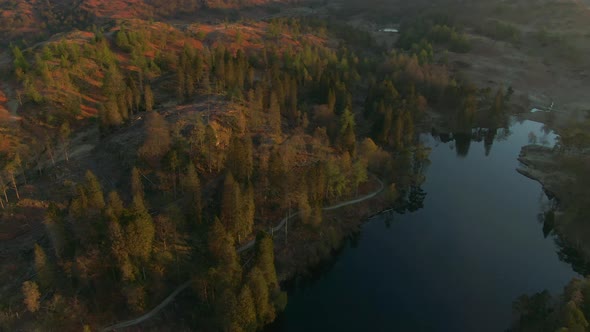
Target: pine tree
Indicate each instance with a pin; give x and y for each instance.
(226, 309)
(197, 136)
(118, 246)
(193, 194)
(347, 136)
(359, 173)
(246, 310)
(265, 258)
(114, 207)
(265, 312)
(55, 228)
(293, 113)
(230, 205)
(122, 41)
(240, 159)
(331, 101)
(218, 242)
(574, 318)
(247, 210)
(264, 262)
(112, 83)
(122, 105)
(94, 192)
(43, 268)
(148, 97)
(317, 183)
(274, 114)
(136, 183)
(43, 69)
(20, 62)
(157, 141)
(140, 231)
(228, 270)
(171, 165)
(276, 172)
(110, 115)
(386, 125)
(79, 205)
(31, 296)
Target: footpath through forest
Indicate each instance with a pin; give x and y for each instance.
(241, 249)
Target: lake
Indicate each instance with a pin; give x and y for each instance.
(457, 264)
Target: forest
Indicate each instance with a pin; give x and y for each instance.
(159, 151)
(149, 154)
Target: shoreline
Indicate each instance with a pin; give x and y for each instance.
(543, 165)
(536, 162)
(359, 200)
(304, 251)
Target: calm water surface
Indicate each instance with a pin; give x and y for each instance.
(455, 265)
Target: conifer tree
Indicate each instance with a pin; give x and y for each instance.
(193, 194)
(274, 114)
(94, 192)
(157, 141)
(347, 136)
(265, 312)
(140, 231)
(55, 228)
(43, 268)
(230, 205)
(228, 270)
(246, 310)
(148, 97)
(110, 115)
(265, 258)
(240, 159)
(136, 183)
(32, 296)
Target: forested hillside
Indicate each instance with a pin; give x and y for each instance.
(37, 20)
(142, 154)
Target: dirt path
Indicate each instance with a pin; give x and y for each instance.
(327, 208)
(243, 248)
(152, 312)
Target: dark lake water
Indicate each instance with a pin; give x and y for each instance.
(457, 264)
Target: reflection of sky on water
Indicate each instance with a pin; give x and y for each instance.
(455, 265)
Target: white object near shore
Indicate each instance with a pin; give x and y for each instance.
(393, 30)
(535, 110)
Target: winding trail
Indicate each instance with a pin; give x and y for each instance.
(150, 313)
(327, 208)
(243, 248)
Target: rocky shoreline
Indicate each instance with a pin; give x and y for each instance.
(538, 164)
(546, 166)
